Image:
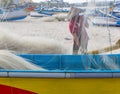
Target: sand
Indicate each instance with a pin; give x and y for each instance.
(99, 36)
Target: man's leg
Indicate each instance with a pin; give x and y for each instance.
(75, 48)
(83, 48)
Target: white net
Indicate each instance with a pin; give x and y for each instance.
(83, 27)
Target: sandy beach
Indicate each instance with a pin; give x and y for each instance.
(99, 36)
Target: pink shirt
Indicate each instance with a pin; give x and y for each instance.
(76, 24)
(71, 25)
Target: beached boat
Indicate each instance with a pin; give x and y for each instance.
(29, 9)
(56, 10)
(104, 21)
(40, 14)
(108, 17)
(12, 14)
(51, 10)
(116, 10)
(104, 18)
(64, 74)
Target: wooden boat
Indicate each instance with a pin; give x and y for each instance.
(64, 74)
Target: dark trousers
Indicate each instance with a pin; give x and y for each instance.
(77, 48)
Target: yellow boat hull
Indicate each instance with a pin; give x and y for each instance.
(65, 86)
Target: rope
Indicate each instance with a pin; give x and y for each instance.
(108, 29)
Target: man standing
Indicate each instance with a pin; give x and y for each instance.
(78, 24)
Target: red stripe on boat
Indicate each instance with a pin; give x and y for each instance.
(12, 90)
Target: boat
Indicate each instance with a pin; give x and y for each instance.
(53, 10)
(56, 10)
(116, 10)
(30, 8)
(40, 14)
(107, 16)
(64, 74)
(105, 21)
(45, 12)
(12, 14)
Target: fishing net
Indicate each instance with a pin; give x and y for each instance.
(71, 36)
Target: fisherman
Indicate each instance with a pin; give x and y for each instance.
(78, 24)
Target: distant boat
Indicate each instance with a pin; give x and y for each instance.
(116, 10)
(30, 8)
(51, 10)
(12, 14)
(104, 21)
(108, 17)
(40, 14)
(54, 10)
(45, 12)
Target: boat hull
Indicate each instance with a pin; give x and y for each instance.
(63, 74)
(64, 86)
(104, 21)
(15, 18)
(36, 14)
(14, 15)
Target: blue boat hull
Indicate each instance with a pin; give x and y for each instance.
(68, 66)
(46, 13)
(72, 62)
(15, 18)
